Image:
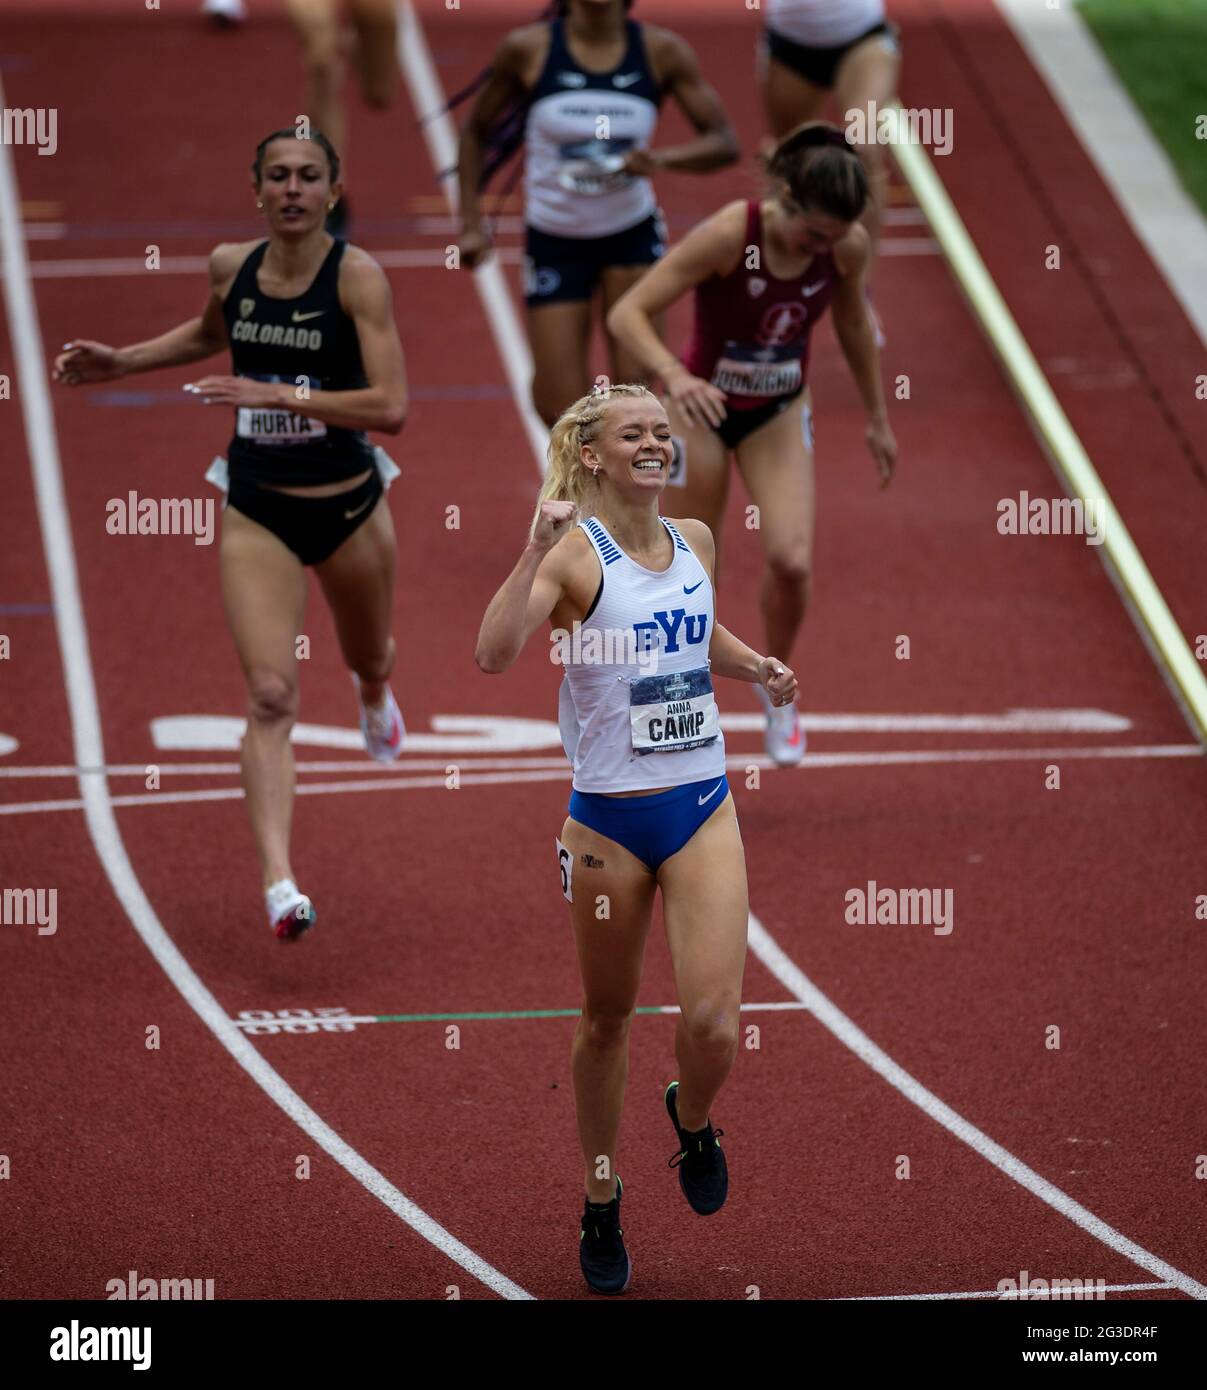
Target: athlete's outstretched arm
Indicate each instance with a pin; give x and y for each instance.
(712, 248)
(729, 655)
(853, 327)
(716, 144)
(529, 594)
(504, 87)
(83, 361)
(365, 296)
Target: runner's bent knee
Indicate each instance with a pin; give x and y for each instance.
(272, 699)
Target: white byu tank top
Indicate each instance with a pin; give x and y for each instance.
(636, 707)
(579, 127)
(823, 23)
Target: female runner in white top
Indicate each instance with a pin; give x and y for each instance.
(811, 48)
(641, 730)
(581, 91)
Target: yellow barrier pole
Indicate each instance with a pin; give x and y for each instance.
(1068, 454)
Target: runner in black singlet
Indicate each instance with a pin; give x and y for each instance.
(317, 361)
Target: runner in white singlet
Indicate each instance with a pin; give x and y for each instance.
(581, 93)
(811, 48)
(630, 598)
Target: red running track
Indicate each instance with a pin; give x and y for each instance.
(1074, 908)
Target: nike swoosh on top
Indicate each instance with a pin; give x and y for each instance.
(349, 515)
(700, 800)
(809, 290)
(626, 80)
(301, 318)
(693, 588)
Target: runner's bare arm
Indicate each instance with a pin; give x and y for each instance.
(853, 327)
(529, 594)
(509, 68)
(852, 322)
(729, 655)
(83, 361)
(712, 248)
(364, 294)
(678, 71)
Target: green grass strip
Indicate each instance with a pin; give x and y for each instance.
(1159, 50)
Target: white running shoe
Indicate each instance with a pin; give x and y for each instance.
(225, 12)
(784, 736)
(290, 913)
(382, 727)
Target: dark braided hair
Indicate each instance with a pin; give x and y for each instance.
(506, 134)
(290, 133)
(822, 169)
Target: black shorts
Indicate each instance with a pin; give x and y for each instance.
(314, 528)
(818, 65)
(562, 269)
(741, 424)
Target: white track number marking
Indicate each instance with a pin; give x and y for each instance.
(565, 862)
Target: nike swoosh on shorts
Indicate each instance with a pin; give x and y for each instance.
(700, 800)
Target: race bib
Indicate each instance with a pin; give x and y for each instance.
(747, 370)
(271, 425)
(592, 167)
(670, 714)
(565, 866)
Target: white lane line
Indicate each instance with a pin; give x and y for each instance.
(1115, 134)
(907, 757)
(1025, 1297)
(370, 769)
(511, 225)
(1013, 721)
(166, 798)
(436, 225)
(313, 1026)
(452, 733)
(35, 808)
(427, 97)
(556, 769)
(72, 633)
(484, 733)
(91, 268)
(801, 987)
(114, 267)
(472, 734)
(794, 980)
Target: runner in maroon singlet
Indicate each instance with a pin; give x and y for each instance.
(750, 337)
(762, 274)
